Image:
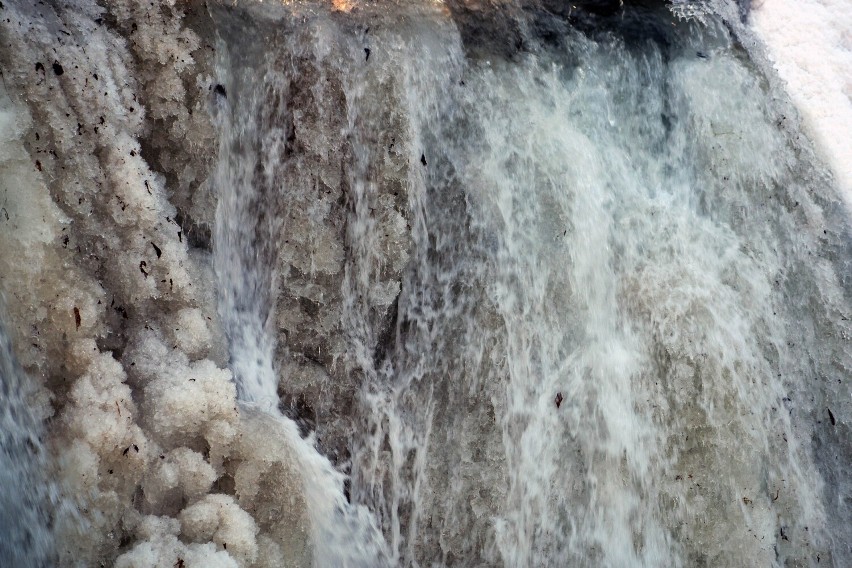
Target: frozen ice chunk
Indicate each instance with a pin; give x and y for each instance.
(219, 519)
(150, 526)
(100, 418)
(269, 484)
(167, 550)
(181, 398)
(79, 465)
(178, 475)
(97, 400)
(190, 331)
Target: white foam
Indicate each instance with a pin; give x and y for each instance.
(810, 43)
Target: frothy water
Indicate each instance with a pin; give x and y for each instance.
(621, 336)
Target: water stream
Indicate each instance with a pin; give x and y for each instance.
(24, 511)
(595, 358)
(247, 177)
(615, 336)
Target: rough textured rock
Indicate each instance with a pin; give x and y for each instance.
(323, 278)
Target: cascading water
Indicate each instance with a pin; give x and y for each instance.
(502, 284)
(28, 495)
(594, 358)
(248, 175)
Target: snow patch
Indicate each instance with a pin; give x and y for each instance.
(810, 44)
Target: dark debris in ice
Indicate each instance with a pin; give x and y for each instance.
(198, 234)
(127, 449)
(558, 400)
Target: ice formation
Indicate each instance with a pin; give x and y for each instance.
(110, 305)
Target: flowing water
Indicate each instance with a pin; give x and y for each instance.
(247, 177)
(618, 334)
(25, 505)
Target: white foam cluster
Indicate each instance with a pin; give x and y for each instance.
(160, 546)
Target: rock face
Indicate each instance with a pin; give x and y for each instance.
(332, 207)
(328, 213)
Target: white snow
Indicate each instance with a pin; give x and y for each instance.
(810, 44)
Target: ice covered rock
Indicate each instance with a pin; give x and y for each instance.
(217, 518)
(159, 546)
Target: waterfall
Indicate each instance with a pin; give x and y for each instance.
(509, 284)
(593, 357)
(252, 112)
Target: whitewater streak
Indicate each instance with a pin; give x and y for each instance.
(246, 176)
